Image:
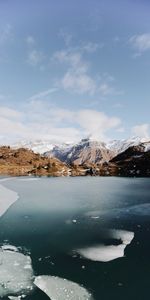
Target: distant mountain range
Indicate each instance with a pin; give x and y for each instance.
(86, 150)
(88, 157)
(90, 151)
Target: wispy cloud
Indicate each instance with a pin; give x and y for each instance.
(30, 40)
(35, 57)
(42, 95)
(77, 78)
(6, 34)
(140, 43)
(90, 47)
(107, 89)
(78, 82)
(66, 36)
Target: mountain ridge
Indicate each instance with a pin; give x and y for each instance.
(134, 161)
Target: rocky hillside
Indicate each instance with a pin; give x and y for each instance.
(135, 161)
(25, 162)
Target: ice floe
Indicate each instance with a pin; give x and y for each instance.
(16, 298)
(105, 253)
(61, 289)
(16, 274)
(7, 198)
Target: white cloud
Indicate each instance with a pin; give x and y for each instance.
(9, 113)
(41, 120)
(140, 43)
(74, 60)
(78, 82)
(142, 130)
(77, 78)
(96, 123)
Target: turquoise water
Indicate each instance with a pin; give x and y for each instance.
(56, 216)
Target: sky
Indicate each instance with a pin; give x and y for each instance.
(71, 69)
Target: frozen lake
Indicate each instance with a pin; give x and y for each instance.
(74, 238)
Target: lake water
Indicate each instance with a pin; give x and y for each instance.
(76, 228)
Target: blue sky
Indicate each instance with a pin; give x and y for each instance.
(69, 69)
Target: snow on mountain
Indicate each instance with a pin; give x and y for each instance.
(86, 151)
(37, 146)
(118, 146)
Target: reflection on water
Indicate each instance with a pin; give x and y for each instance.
(77, 228)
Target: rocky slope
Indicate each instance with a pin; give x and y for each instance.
(135, 161)
(26, 162)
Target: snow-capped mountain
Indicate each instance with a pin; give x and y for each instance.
(118, 146)
(37, 146)
(91, 151)
(86, 151)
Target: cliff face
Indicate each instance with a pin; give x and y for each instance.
(25, 162)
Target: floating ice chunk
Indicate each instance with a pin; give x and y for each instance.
(15, 279)
(105, 253)
(14, 298)
(61, 289)
(9, 247)
(7, 198)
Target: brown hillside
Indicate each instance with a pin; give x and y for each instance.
(25, 162)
